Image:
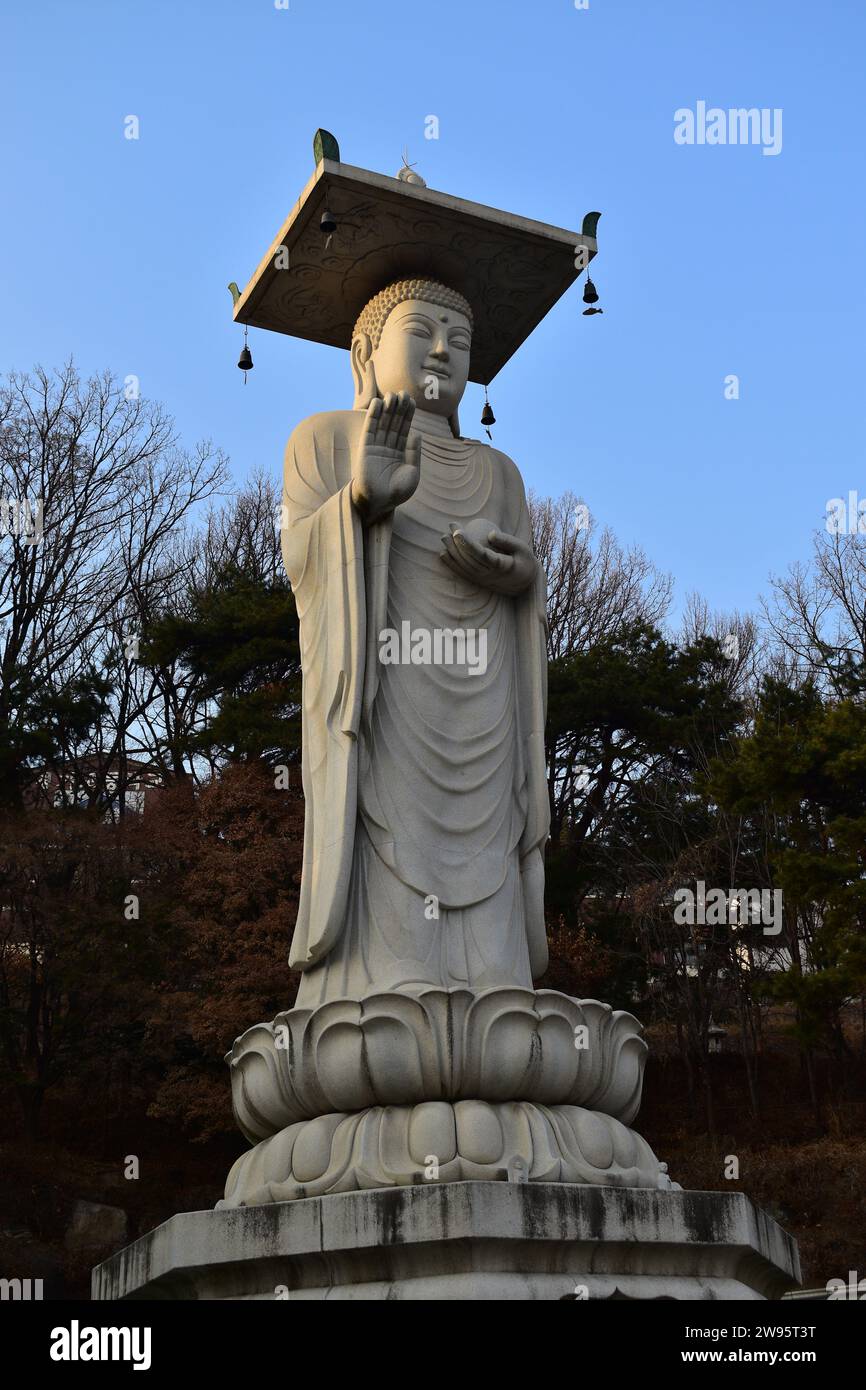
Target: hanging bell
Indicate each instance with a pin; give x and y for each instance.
(487, 416)
(590, 293)
(328, 223)
(245, 361)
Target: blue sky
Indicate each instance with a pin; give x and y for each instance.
(713, 260)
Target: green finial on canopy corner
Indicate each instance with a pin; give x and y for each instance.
(590, 224)
(325, 147)
(235, 292)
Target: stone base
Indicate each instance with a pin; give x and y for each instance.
(403, 1145)
(462, 1241)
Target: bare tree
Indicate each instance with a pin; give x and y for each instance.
(240, 536)
(742, 643)
(817, 613)
(594, 587)
(596, 592)
(111, 490)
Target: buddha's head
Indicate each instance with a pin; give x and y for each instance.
(414, 336)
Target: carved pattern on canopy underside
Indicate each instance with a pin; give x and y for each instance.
(510, 279)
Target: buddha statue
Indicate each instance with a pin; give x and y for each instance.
(417, 1049)
(426, 796)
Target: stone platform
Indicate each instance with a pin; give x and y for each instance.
(465, 1240)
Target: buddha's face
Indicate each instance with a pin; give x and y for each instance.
(424, 349)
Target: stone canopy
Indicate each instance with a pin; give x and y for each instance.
(511, 269)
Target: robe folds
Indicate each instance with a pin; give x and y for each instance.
(426, 797)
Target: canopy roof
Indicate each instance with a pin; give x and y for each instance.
(511, 269)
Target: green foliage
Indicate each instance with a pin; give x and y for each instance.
(639, 694)
(45, 724)
(239, 638)
(641, 716)
(802, 769)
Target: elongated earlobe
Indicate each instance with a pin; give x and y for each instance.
(366, 389)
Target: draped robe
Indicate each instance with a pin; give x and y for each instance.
(426, 798)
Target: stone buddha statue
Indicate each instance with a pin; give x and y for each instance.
(426, 797)
(417, 1049)
(420, 1074)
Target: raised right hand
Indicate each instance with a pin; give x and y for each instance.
(387, 463)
